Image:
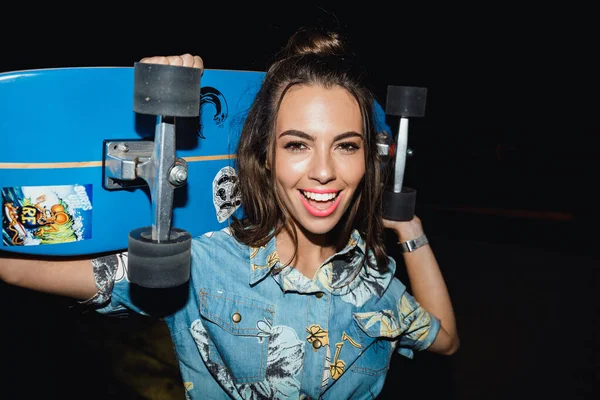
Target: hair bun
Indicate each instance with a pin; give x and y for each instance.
(314, 41)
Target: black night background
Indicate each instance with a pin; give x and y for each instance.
(504, 165)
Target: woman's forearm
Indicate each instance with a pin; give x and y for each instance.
(427, 283)
(70, 278)
(429, 289)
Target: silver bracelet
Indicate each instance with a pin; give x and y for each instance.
(413, 244)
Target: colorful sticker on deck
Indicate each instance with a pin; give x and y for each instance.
(226, 193)
(34, 215)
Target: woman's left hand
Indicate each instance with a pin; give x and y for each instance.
(406, 230)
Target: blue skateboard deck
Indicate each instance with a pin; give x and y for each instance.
(54, 124)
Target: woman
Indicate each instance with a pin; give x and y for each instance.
(298, 298)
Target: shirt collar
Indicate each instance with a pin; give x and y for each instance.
(340, 269)
(262, 260)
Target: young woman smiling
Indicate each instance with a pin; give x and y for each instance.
(298, 297)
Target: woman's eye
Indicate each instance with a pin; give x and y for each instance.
(349, 147)
(294, 146)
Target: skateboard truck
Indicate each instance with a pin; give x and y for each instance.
(405, 102)
(158, 255)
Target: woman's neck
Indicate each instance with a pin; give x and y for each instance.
(312, 251)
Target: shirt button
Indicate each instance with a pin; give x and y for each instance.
(319, 295)
(317, 344)
(236, 317)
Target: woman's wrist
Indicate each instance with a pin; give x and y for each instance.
(408, 232)
(411, 245)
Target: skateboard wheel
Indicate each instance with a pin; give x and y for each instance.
(164, 264)
(405, 101)
(166, 90)
(399, 206)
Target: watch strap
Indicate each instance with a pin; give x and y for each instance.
(413, 244)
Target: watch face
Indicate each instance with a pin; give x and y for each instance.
(412, 245)
(408, 246)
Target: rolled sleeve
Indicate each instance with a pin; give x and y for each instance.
(104, 269)
(420, 328)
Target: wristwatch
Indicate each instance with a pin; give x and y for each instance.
(413, 244)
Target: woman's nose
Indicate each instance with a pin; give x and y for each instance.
(322, 167)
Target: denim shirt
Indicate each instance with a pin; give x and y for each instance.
(250, 328)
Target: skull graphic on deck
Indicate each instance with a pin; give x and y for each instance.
(226, 193)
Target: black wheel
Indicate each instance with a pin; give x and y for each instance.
(406, 101)
(399, 206)
(164, 264)
(166, 90)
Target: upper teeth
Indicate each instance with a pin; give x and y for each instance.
(320, 196)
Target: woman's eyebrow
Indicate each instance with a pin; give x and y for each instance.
(347, 135)
(306, 136)
(300, 134)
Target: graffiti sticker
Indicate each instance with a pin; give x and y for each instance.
(34, 215)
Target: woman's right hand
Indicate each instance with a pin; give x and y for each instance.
(184, 60)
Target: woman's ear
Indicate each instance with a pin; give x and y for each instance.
(268, 162)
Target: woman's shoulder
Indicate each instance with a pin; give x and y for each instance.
(219, 254)
(218, 241)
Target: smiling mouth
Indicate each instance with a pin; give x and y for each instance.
(319, 197)
(320, 204)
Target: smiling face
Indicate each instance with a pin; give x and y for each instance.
(319, 155)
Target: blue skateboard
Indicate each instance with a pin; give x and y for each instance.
(73, 150)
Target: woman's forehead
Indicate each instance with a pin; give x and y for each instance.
(317, 108)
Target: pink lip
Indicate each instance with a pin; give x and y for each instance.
(317, 212)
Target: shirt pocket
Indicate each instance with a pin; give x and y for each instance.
(377, 332)
(236, 328)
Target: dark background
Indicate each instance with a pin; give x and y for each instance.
(504, 165)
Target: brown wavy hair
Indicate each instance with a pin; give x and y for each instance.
(311, 57)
